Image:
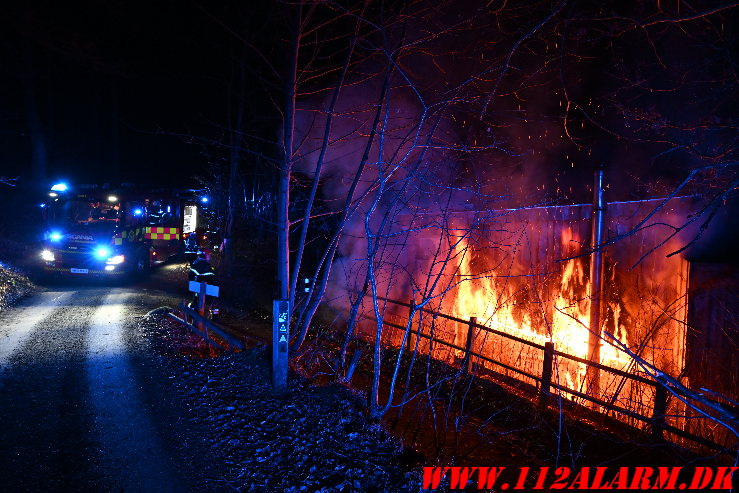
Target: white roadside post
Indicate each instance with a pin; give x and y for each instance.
(280, 338)
(202, 289)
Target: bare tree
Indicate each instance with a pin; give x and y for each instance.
(505, 80)
(408, 130)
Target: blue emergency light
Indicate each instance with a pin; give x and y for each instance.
(204, 200)
(138, 212)
(102, 252)
(55, 236)
(59, 187)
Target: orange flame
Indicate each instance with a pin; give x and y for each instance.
(492, 299)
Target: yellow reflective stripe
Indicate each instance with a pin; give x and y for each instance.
(161, 233)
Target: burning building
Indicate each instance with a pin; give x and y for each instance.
(510, 283)
(427, 154)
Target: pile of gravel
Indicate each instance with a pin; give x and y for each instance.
(13, 285)
(309, 439)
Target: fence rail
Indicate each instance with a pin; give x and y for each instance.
(659, 407)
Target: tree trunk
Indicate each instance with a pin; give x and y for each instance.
(283, 199)
(320, 280)
(317, 172)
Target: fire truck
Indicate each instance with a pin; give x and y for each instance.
(99, 231)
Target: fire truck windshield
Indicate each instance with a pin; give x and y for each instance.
(77, 212)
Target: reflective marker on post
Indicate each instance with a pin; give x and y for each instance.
(210, 290)
(280, 337)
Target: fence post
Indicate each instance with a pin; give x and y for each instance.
(592, 373)
(660, 408)
(467, 363)
(546, 372)
(201, 311)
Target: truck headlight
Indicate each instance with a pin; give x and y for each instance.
(116, 259)
(47, 256)
(102, 252)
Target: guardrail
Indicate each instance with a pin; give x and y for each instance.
(659, 407)
(200, 325)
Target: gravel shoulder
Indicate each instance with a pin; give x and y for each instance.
(309, 439)
(14, 285)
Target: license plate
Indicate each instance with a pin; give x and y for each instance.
(78, 271)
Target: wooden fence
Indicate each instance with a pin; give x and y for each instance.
(657, 421)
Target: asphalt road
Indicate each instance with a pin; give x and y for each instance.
(81, 407)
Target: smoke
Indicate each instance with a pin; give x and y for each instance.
(483, 116)
(406, 183)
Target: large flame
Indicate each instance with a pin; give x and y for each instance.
(491, 297)
(509, 278)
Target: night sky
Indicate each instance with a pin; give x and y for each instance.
(144, 91)
(118, 88)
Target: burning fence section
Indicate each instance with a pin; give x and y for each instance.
(525, 273)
